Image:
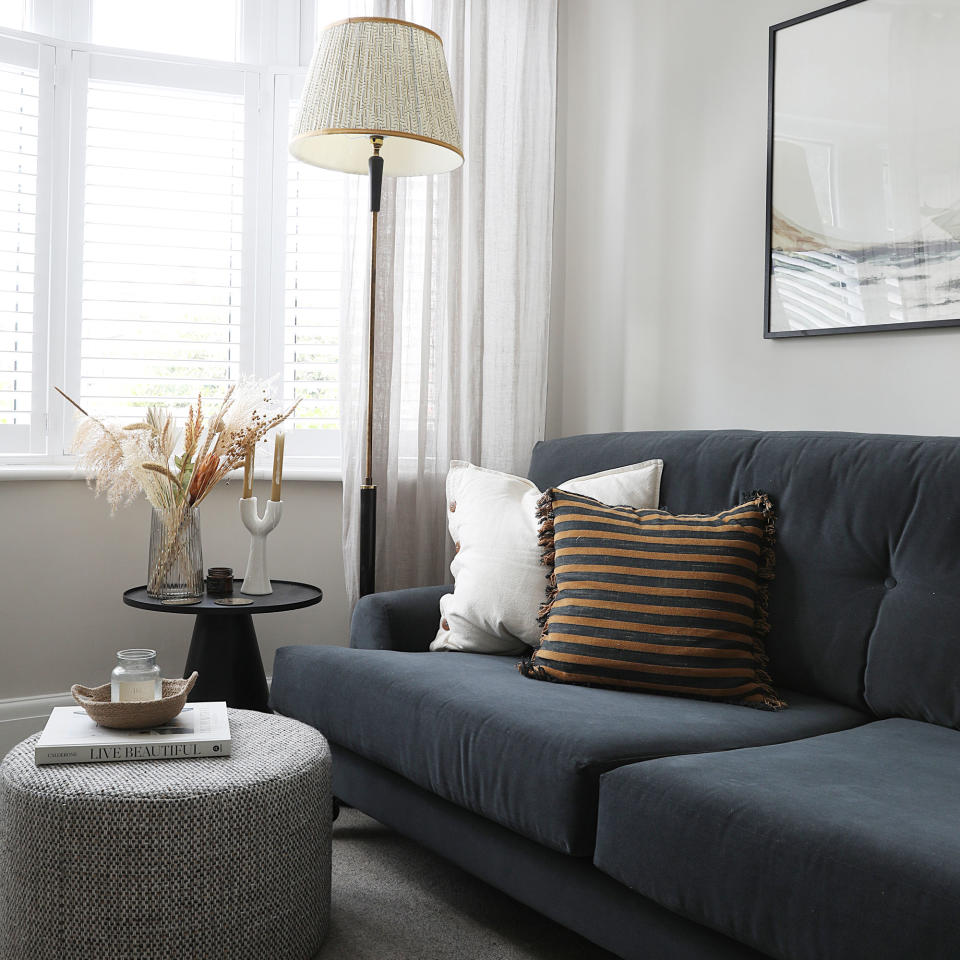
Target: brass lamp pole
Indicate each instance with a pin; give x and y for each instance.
(380, 82)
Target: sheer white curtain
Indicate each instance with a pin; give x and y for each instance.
(463, 290)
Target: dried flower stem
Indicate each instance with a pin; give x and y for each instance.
(161, 469)
(141, 456)
(173, 520)
(74, 402)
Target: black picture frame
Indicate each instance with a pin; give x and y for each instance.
(769, 272)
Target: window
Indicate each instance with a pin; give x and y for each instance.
(19, 163)
(208, 29)
(313, 257)
(162, 244)
(16, 14)
(157, 240)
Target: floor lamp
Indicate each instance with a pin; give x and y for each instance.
(378, 101)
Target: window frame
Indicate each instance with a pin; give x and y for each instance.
(89, 66)
(274, 49)
(34, 55)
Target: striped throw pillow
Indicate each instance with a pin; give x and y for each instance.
(645, 600)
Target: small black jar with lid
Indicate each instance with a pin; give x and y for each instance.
(220, 581)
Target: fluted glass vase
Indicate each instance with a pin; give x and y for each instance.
(175, 564)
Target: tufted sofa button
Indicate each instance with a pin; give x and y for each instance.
(889, 583)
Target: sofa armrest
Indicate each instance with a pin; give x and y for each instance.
(398, 620)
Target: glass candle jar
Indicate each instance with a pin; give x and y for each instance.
(220, 581)
(136, 676)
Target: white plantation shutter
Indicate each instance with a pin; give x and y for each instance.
(155, 241)
(19, 138)
(162, 239)
(312, 267)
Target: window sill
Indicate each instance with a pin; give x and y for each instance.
(58, 471)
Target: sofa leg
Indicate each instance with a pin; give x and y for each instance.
(336, 809)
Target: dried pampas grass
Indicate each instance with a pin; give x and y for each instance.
(103, 456)
(123, 460)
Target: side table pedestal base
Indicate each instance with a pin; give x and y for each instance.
(225, 653)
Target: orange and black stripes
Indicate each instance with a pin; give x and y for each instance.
(641, 599)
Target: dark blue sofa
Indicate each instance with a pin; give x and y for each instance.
(668, 828)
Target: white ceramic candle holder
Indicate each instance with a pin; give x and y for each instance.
(256, 581)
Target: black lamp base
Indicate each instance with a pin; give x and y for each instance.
(368, 539)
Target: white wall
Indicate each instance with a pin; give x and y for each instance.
(658, 308)
(65, 562)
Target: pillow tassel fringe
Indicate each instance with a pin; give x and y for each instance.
(534, 671)
(545, 539)
(547, 557)
(761, 624)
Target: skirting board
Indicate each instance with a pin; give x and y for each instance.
(21, 716)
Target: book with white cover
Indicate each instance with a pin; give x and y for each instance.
(70, 736)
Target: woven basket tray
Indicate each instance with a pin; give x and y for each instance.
(127, 716)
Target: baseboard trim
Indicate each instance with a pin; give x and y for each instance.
(22, 716)
(29, 708)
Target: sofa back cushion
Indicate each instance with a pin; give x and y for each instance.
(865, 607)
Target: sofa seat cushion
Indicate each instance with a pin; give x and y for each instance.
(526, 755)
(844, 845)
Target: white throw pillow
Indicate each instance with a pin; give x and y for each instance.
(499, 580)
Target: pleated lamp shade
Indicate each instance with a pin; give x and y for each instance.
(373, 76)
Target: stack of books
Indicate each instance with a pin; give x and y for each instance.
(70, 736)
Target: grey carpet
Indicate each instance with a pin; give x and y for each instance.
(394, 900)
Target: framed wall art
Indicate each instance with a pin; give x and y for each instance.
(863, 169)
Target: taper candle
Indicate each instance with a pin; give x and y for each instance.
(277, 467)
(248, 473)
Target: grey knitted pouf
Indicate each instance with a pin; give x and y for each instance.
(168, 859)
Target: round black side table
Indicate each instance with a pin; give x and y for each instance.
(224, 649)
